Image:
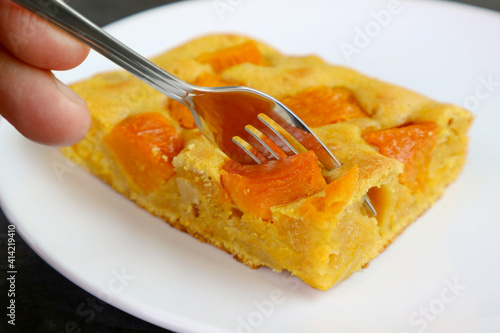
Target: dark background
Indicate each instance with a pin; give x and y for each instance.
(45, 300)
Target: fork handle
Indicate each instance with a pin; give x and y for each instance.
(69, 20)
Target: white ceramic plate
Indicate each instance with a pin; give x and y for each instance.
(441, 275)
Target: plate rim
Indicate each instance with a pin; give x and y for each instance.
(182, 325)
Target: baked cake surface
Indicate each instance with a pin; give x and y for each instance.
(396, 146)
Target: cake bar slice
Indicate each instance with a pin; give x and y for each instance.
(397, 147)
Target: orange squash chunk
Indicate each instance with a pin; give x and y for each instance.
(277, 150)
(232, 56)
(257, 188)
(181, 113)
(411, 145)
(211, 80)
(324, 105)
(337, 194)
(145, 145)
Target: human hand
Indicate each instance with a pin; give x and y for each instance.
(37, 104)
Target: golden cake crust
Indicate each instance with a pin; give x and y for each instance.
(321, 249)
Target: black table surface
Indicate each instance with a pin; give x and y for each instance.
(45, 300)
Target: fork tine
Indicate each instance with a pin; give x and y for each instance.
(278, 134)
(321, 151)
(251, 130)
(369, 206)
(248, 152)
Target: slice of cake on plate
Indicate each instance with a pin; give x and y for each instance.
(397, 147)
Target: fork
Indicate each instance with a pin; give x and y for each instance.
(246, 124)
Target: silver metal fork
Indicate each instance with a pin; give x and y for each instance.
(235, 119)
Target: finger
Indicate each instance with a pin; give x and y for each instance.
(39, 106)
(37, 42)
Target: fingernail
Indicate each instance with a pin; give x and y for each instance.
(68, 92)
